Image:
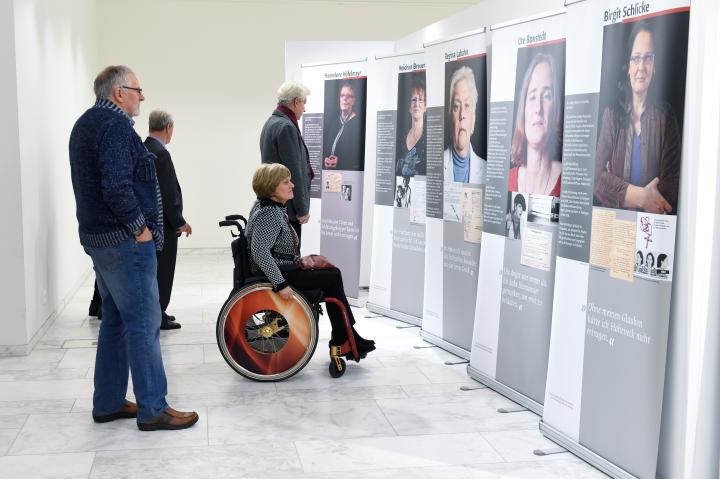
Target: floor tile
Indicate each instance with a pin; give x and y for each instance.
(440, 415)
(395, 452)
(76, 432)
(47, 466)
(296, 420)
(249, 459)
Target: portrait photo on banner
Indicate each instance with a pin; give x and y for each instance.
(640, 114)
(410, 151)
(536, 144)
(465, 142)
(344, 124)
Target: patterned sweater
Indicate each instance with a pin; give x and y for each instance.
(113, 177)
(272, 242)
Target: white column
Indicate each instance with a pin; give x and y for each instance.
(13, 327)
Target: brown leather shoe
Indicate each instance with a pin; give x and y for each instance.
(128, 411)
(170, 419)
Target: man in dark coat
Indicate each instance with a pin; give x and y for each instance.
(281, 142)
(161, 131)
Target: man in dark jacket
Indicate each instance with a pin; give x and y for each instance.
(161, 132)
(119, 212)
(281, 142)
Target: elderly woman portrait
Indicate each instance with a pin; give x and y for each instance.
(411, 149)
(638, 148)
(460, 163)
(535, 150)
(343, 136)
(275, 252)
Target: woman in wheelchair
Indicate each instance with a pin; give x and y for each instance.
(274, 251)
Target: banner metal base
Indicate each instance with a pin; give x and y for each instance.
(506, 391)
(357, 302)
(406, 318)
(449, 347)
(584, 453)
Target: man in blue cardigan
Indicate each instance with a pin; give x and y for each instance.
(119, 212)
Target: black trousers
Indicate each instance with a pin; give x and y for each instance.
(331, 284)
(166, 267)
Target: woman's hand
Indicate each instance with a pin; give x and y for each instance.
(647, 198)
(286, 293)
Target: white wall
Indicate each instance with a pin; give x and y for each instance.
(12, 284)
(53, 68)
(216, 65)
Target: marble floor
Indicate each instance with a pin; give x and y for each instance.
(399, 413)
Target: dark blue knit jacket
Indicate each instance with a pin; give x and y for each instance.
(113, 177)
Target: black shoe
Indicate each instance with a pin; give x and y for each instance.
(165, 325)
(360, 340)
(167, 317)
(95, 309)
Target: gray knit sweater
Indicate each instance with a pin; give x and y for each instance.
(272, 242)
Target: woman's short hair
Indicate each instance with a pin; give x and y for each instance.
(519, 141)
(463, 73)
(662, 257)
(519, 200)
(267, 178)
(290, 90)
(109, 79)
(159, 120)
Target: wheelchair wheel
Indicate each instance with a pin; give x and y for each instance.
(263, 337)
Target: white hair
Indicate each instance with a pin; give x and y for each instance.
(463, 73)
(291, 90)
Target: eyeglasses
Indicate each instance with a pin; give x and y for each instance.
(139, 90)
(648, 59)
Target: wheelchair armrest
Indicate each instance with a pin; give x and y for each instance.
(236, 218)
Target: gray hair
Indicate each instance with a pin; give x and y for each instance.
(463, 73)
(109, 79)
(290, 90)
(159, 120)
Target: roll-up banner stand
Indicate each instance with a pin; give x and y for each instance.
(398, 266)
(456, 146)
(333, 127)
(522, 201)
(624, 104)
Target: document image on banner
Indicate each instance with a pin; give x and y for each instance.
(654, 246)
(522, 207)
(398, 267)
(624, 106)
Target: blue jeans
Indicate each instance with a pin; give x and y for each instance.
(129, 336)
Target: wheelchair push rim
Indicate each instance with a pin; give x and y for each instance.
(263, 337)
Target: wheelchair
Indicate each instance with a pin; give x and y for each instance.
(265, 338)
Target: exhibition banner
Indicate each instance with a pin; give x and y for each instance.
(334, 132)
(522, 201)
(455, 187)
(398, 260)
(624, 104)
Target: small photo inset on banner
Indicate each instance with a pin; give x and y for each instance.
(332, 182)
(536, 146)
(653, 245)
(642, 88)
(344, 124)
(516, 216)
(346, 192)
(403, 191)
